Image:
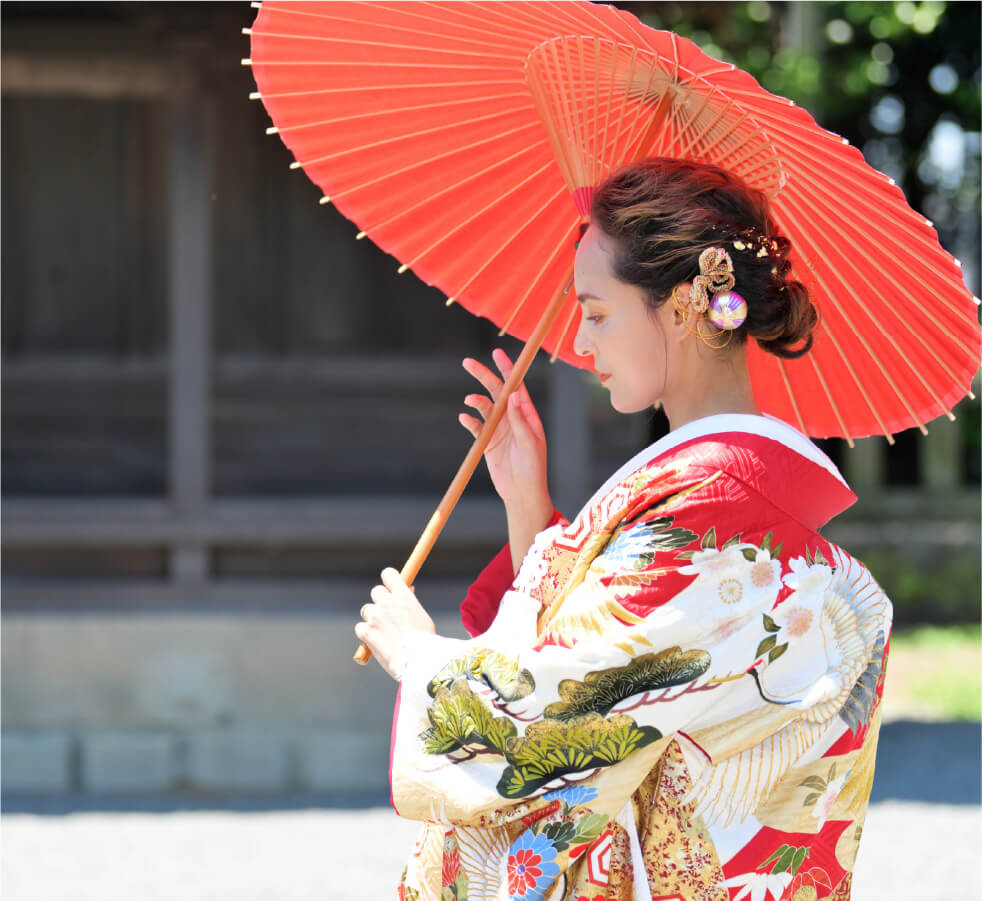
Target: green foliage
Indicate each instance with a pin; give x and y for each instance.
(937, 672)
(942, 590)
(459, 718)
(787, 857)
(551, 748)
(600, 691)
(495, 670)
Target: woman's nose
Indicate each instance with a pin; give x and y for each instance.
(581, 346)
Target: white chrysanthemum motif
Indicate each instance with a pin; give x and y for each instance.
(757, 886)
(829, 623)
(731, 587)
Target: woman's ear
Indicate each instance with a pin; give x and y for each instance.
(678, 302)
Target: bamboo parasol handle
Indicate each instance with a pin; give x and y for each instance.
(439, 518)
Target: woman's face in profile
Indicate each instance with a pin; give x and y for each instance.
(627, 342)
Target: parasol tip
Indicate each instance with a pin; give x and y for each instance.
(255, 5)
(324, 199)
(359, 236)
(294, 165)
(272, 130)
(971, 395)
(247, 62)
(247, 31)
(950, 415)
(255, 95)
(978, 301)
(402, 269)
(450, 301)
(958, 262)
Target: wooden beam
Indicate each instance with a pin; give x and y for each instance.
(87, 76)
(267, 597)
(340, 522)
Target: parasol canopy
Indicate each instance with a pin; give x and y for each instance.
(465, 138)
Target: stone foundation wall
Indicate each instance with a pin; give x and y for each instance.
(228, 703)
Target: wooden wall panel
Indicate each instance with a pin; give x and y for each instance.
(82, 227)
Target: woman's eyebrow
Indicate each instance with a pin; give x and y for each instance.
(581, 297)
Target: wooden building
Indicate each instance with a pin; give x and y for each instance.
(222, 415)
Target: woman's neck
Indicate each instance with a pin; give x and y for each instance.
(723, 386)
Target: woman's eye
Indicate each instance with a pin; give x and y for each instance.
(596, 317)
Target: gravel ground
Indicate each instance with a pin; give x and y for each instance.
(921, 840)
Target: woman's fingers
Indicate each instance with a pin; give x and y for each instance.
(480, 403)
(521, 427)
(470, 423)
(505, 366)
(491, 383)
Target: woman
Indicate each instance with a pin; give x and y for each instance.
(675, 695)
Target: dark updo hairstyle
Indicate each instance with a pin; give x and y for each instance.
(661, 213)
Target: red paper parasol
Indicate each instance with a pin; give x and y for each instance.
(464, 138)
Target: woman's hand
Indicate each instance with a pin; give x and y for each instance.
(388, 620)
(515, 456)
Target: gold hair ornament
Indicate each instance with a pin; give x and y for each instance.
(727, 310)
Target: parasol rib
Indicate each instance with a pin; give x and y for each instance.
(850, 324)
(787, 387)
(282, 10)
(898, 316)
(440, 156)
(931, 322)
(465, 222)
(415, 134)
(521, 303)
(479, 173)
(832, 403)
(442, 104)
(388, 88)
(362, 43)
(514, 236)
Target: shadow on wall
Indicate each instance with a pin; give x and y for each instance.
(936, 763)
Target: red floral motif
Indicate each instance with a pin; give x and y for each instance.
(523, 871)
(451, 867)
(401, 891)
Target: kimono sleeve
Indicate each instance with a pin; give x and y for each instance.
(495, 727)
(480, 605)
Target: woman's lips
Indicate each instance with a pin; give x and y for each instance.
(603, 376)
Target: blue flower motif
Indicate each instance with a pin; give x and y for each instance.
(573, 795)
(531, 867)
